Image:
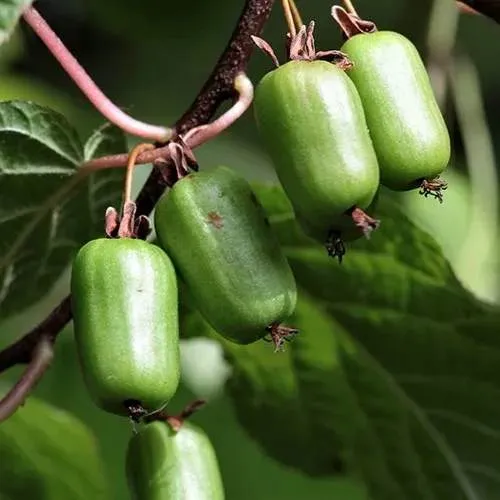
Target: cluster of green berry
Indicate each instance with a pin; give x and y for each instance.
(125, 310)
(124, 290)
(334, 132)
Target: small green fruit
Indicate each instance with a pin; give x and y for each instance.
(124, 302)
(219, 239)
(406, 125)
(166, 465)
(311, 120)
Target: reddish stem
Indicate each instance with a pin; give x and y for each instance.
(192, 139)
(85, 83)
(199, 135)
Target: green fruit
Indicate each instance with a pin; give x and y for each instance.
(124, 302)
(406, 125)
(219, 239)
(166, 465)
(312, 122)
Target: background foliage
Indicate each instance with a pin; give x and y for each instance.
(394, 380)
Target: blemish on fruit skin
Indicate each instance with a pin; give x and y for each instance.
(215, 219)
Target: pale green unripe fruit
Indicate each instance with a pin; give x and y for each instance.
(311, 120)
(125, 313)
(405, 123)
(216, 232)
(166, 465)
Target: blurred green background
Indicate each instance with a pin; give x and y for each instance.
(151, 57)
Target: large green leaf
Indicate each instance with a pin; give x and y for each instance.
(10, 12)
(44, 214)
(394, 376)
(48, 454)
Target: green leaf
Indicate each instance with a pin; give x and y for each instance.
(10, 12)
(106, 140)
(394, 376)
(46, 212)
(48, 454)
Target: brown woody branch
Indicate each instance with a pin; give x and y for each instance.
(41, 358)
(218, 88)
(21, 352)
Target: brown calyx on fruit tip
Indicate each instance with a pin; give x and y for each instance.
(266, 48)
(135, 410)
(301, 47)
(363, 221)
(350, 24)
(337, 57)
(433, 187)
(126, 225)
(142, 227)
(182, 156)
(279, 334)
(126, 228)
(335, 246)
(112, 221)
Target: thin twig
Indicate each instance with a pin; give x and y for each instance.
(218, 88)
(296, 14)
(131, 163)
(290, 20)
(41, 359)
(85, 83)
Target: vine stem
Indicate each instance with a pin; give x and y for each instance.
(41, 359)
(194, 138)
(85, 83)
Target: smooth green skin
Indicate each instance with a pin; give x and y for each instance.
(125, 314)
(165, 465)
(311, 120)
(406, 125)
(236, 273)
